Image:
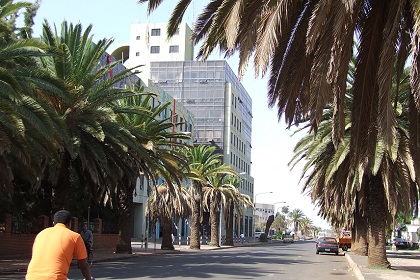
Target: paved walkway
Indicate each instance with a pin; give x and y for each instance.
(405, 264)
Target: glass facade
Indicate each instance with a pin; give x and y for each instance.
(200, 86)
(222, 109)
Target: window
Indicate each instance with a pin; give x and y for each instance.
(137, 37)
(137, 53)
(155, 49)
(173, 49)
(177, 31)
(155, 32)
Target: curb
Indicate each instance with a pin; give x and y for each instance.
(354, 267)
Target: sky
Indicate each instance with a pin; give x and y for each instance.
(272, 144)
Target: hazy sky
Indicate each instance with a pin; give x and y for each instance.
(272, 144)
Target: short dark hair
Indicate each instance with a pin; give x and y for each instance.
(62, 216)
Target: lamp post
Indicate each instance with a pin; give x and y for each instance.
(277, 211)
(255, 205)
(280, 202)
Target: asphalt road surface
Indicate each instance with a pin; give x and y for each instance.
(271, 261)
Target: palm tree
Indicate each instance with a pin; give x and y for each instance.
(307, 47)
(306, 226)
(164, 205)
(27, 125)
(359, 200)
(234, 200)
(204, 163)
(296, 219)
(155, 155)
(95, 145)
(220, 191)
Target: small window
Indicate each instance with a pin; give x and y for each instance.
(155, 49)
(173, 49)
(176, 32)
(137, 37)
(155, 32)
(137, 53)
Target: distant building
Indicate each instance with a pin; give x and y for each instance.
(262, 212)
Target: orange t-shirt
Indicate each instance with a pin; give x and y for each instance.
(53, 251)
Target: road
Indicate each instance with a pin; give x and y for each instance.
(272, 261)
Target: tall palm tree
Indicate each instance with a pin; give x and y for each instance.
(164, 205)
(306, 226)
(307, 46)
(234, 201)
(369, 197)
(155, 155)
(296, 217)
(95, 145)
(27, 125)
(204, 163)
(220, 191)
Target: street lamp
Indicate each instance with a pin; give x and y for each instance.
(277, 211)
(255, 205)
(279, 206)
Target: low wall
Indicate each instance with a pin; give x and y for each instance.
(20, 245)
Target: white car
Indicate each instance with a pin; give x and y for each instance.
(258, 234)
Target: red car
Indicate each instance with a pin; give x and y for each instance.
(327, 245)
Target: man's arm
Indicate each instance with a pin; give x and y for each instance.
(84, 268)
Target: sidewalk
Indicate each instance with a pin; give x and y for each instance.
(405, 264)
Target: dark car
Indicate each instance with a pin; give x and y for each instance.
(327, 245)
(400, 242)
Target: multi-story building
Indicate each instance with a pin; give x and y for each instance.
(176, 112)
(222, 110)
(209, 90)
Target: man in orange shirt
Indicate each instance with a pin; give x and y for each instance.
(53, 251)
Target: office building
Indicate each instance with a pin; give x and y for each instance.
(209, 90)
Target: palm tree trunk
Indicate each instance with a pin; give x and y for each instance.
(229, 224)
(215, 221)
(195, 215)
(61, 191)
(377, 213)
(359, 233)
(166, 233)
(125, 212)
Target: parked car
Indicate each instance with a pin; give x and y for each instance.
(327, 245)
(287, 238)
(400, 242)
(258, 234)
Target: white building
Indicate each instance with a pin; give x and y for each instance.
(262, 212)
(148, 42)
